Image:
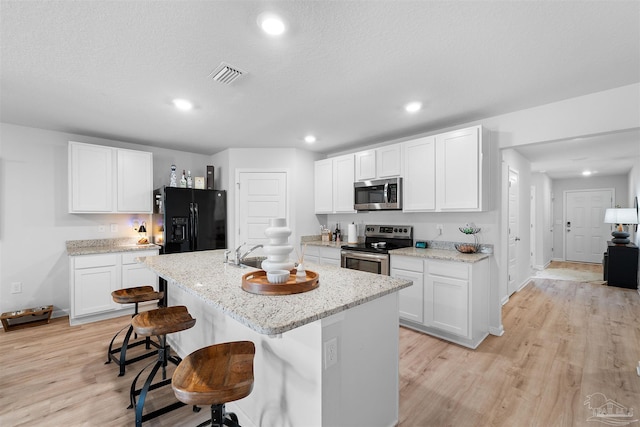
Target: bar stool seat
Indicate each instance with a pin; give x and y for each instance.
(131, 296)
(215, 375)
(158, 322)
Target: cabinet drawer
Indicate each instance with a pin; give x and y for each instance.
(91, 261)
(407, 263)
(130, 257)
(454, 270)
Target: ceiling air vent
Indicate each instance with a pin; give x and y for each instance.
(226, 73)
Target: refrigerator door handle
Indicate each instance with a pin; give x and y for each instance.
(191, 219)
(196, 226)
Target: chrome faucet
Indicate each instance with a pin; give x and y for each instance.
(244, 255)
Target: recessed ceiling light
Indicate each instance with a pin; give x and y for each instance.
(271, 24)
(586, 173)
(413, 107)
(182, 104)
(309, 139)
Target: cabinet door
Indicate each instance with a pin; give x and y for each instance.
(411, 299)
(458, 158)
(135, 181)
(365, 165)
(389, 161)
(323, 186)
(90, 178)
(447, 297)
(343, 184)
(329, 256)
(420, 175)
(92, 290)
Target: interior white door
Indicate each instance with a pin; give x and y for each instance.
(532, 228)
(514, 196)
(262, 196)
(586, 234)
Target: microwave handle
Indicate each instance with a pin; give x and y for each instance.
(386, 192)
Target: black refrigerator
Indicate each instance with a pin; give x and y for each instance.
(190, 220)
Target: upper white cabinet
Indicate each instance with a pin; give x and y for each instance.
(135, 181)
(333, 185)
(461, 173)
(90, 178)
(420, 175)
(109, 180)
(446, 172)
(383, 162)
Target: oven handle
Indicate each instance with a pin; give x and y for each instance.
(363, 255)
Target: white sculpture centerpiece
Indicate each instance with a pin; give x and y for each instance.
(278, 248)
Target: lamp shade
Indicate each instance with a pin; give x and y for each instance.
(621, 216)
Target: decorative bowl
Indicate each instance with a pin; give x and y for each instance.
(467, 248)
(278, 276)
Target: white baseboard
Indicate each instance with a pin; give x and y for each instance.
(498, 332)
(504, 300)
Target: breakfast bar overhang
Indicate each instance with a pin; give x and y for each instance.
(327, 357)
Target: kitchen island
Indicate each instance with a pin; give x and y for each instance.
(327, 357)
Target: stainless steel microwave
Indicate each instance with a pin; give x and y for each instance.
(378, 195)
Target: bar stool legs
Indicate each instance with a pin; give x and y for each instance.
(128, 296)
(159, 322)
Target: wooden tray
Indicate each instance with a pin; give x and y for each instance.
(256, 282)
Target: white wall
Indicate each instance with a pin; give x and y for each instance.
(34, 218)
(594, 182)
(544, 222)
(299, 166)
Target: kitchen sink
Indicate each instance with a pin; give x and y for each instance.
(253, 262)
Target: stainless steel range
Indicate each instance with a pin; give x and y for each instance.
(373, 254)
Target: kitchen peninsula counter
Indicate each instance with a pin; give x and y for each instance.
(326, 357)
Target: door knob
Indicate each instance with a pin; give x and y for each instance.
(517, 239)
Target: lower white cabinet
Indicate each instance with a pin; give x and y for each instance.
(94, 277)
(411, 299)
(449, 299)
(325, 255)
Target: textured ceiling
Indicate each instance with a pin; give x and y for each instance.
(343, 71)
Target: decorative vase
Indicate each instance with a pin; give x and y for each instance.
(278, 248)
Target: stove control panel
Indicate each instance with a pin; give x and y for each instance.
(389, 231)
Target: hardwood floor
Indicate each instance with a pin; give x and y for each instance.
(563, 341)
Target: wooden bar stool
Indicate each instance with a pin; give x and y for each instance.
(158, 322)
(215, 375)
(131, 296)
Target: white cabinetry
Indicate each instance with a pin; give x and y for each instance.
(90, 178)
(449, 299)
(94, 277)
(383, 162)
(109, 180)
(420, 175)
(446, 297)
(333, 185)
(322, 255)
(447, 172)
(135, 181)
(461, 173)
(411, 299)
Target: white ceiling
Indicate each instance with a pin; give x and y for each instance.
(343, 71)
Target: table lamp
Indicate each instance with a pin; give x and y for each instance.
(620, 216)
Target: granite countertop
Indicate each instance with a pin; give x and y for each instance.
(105, 246)
(445, 254)
(204, 275)
(336, 245)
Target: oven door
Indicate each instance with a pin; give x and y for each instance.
(365, 261)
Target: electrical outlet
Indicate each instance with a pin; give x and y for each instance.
(16, 287)
(102, 228)
(114, 228)
(439, 227)
(330, 353)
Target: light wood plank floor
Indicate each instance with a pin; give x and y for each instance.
(563, 341)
